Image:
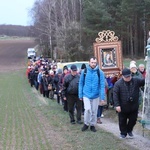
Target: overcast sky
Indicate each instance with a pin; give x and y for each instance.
(15, 12)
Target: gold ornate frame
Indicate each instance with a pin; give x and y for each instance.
(108, 51)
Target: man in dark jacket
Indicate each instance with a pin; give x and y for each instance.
(125, 96)
(70, 93)
(61, 81)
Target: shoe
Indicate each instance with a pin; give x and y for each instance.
(92, 128)
(99, 121)
(79, 122)
(122, 136)
(85, 127)
(73, 122)
(130, 135)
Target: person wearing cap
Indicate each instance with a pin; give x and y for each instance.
(92, 92)
(70, 93)
(125, 96)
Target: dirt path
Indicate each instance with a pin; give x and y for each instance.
(138, 141)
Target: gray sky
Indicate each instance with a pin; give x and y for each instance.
(15, 12)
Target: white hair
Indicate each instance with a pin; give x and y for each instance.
(141, 65)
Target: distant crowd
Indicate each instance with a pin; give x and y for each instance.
(73, 88)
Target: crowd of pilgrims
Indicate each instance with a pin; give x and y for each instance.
(44, 75)
(46, 78)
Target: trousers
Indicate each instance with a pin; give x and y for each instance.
(127, 121)
(74, 102)
(90, 112)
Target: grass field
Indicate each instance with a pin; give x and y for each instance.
(30, 122)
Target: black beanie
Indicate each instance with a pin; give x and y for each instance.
(65, 68)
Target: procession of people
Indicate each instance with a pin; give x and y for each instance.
(89, 90)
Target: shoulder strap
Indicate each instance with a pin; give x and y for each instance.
(70, 80)
(85, 71)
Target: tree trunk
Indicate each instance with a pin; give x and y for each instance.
(136, 50)
(131, 41)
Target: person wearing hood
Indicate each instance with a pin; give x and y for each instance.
(92, 92)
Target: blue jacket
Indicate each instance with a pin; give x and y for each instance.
(91, 86)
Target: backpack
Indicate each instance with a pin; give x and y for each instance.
(98, 73)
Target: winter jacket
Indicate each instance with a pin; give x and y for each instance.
(56, 82)
(137, 74)
(70, 85)
(46, 81)
(126, 94)
(61, 80)
(92, 85)
(143, 73)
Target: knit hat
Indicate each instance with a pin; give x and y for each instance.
(132, 65)
(133, 62)
(65, 68)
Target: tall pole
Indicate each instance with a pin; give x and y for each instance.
(146, 98)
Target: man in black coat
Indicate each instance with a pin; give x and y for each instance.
(70, 93)
(125, 96)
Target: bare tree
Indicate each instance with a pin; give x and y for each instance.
(60, 22)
